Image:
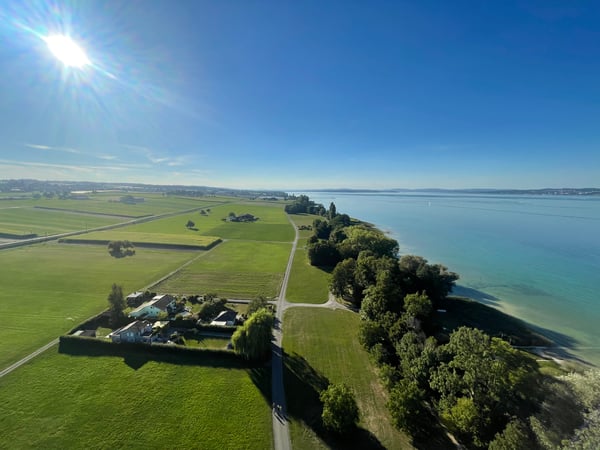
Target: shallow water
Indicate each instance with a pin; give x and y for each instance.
(536, 257)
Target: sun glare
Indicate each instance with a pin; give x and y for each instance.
(67, 51)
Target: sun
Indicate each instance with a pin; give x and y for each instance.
(67, 51)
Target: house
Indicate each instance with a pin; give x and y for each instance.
(135, 299)
(85, 333)
(136, 331)
(159, 305)
(226, 317)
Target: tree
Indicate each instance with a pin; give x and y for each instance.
(514, 437)
(342, 282)
(419, 276)
(332, 211)
(406, 406)
(190, 224)
(253, 339)
(417, 305)
(362, 238)
(321, 228)
(323, 254)
(340, 411)
(116, 304)
(256, 304)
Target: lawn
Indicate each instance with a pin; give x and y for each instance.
(322, 345)
(61, 401)
(21, 221)
(233, 269)
(307, 284)
(49, 288)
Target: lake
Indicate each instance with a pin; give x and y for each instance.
(535, 257)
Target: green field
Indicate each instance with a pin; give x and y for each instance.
(321, 345)
(21, 221)
(271, 226)
(108, 203)
(189, 238)
(60, 401)
(233, 269)
(49, 288)
(307, 284)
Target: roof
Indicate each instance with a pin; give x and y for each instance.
(227, 315)
(136, 325)
(160, 302)
(135, 295)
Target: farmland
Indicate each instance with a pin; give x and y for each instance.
(23, 221)
(322, 345)
(234, 269)
(63, 401)
(110, 204)
(49, 288)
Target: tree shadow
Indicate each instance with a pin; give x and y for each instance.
(519, 333)
(303, 385)
(480, 296)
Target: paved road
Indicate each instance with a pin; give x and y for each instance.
(281, 431)
(29, 357)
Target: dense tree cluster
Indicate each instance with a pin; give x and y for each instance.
(303, 205)
(119, 249)
(211, 307)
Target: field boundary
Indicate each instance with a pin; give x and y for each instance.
(143, 244)
(91, 213)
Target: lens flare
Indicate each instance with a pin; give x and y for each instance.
(67, 51)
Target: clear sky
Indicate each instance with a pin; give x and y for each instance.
(304, 94)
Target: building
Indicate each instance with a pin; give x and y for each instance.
(226, 317)
(136, 331)
(135, 299)
(159, 305)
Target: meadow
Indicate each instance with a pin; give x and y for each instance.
(23, 221)
(109, 204)
(233, 269)
(307, 284)
(62, 401)
(321, 346)
(49, 288)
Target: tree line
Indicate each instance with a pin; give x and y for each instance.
(485, 392)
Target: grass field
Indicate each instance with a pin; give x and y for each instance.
(234, 269)
(107, 203)
(307, 284)
(49, 288)
(271, 226)
(20, 221)
(60, 401)
(322, 345)
(189, 238)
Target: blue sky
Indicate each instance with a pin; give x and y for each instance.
(304, 94)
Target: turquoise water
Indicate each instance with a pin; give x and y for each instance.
(537, 258)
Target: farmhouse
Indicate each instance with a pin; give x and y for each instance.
(225, 318)
(160, 304)
(136, 331)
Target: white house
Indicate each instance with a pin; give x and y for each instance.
(160, 304)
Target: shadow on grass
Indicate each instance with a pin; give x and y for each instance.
(471, 313)
(137, 355)
(302, 386)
